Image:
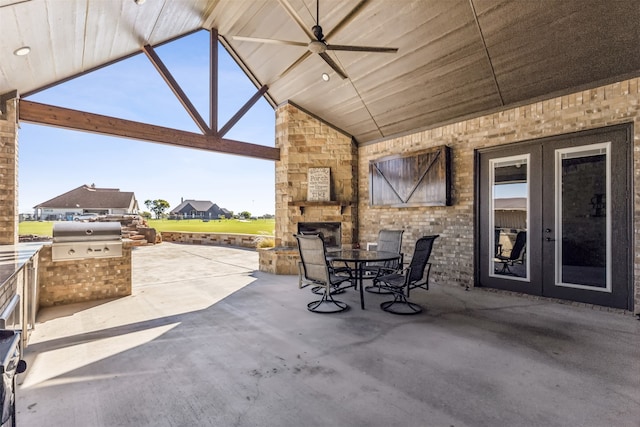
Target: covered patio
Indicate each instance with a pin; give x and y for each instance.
(207, 340)
(475, 86)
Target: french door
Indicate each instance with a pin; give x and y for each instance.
(554, 217)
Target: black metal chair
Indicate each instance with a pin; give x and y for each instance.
(317, 271)
(388, 241)
(402, 281)
(516, 256)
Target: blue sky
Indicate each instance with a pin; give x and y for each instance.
(53, 161)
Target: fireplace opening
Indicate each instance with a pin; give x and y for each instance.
(330, 231)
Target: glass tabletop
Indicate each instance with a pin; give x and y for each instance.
(356, 255)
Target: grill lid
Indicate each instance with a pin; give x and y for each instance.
(86, 231)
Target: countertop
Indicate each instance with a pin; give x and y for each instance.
(13, 257)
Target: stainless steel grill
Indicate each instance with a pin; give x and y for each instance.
(74, 241)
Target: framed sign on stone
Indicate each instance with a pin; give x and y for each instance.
(319, 187)
(417, 179)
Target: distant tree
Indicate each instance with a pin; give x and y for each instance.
(245, 214)
(157, 206)
(146, 215)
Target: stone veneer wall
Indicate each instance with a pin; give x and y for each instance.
(215, 239)
(306, 142)
(453, 257)
(9, 173)
(66, 282)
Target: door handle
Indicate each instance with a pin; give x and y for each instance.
(549, 239)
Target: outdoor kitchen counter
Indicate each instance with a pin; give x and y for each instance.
(14, 257)
(19, 283)
(69, 281)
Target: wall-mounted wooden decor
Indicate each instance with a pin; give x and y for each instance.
(418, 179)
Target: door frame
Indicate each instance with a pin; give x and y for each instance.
(627, 128)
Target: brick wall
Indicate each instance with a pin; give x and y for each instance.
(8, 173)
(453, 255)
(66, 282)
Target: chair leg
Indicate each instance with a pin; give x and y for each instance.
(327, 304)
(335, 290)
(400, 305)
(376, 288)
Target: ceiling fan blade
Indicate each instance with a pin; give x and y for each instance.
(294, 15)
(346, 19)
(332, 64)
(362, 48)
(295, 64)
(269, 41)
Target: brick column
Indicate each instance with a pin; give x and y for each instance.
(8, 172)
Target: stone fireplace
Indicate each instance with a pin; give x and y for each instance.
(305, 143)
(330, 232)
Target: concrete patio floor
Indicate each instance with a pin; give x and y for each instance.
(206, 340)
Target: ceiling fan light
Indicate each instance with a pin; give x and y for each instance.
(325, 77)
(24, 50)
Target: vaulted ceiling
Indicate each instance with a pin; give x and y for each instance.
(456, 58)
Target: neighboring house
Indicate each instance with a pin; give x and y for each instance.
(200, 209)
(510, 213)
(87, 199)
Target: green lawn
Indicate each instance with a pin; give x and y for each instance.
(36, 228)
(258, 226)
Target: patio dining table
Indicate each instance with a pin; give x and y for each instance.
(356, 259)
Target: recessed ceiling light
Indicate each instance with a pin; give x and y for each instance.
(325, 77)
(24, 50)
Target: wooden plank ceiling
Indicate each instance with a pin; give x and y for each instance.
(456, 58)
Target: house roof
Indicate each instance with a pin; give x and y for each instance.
(197, 205)
(511, 204)
(91, 197)
(456, 58)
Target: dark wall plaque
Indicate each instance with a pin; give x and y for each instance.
(418, 179)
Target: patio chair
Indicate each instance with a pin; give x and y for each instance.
(388, 241)
(319, 290)
(516, 256)
(403, 280)
(316, 270)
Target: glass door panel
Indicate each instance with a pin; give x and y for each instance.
(509, 216)
(582, 217)
(554, 217)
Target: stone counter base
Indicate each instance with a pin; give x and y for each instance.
(67, 282)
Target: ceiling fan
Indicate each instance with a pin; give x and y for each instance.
(318, 43)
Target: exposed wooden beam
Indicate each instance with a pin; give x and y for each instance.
(51, 115)
(242, 111)
(213, 84)
(175, 87)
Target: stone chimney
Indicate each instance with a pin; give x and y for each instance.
(305, 143)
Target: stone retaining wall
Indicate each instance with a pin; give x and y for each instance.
(215, 239)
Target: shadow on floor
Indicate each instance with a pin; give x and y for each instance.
(231, 346)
